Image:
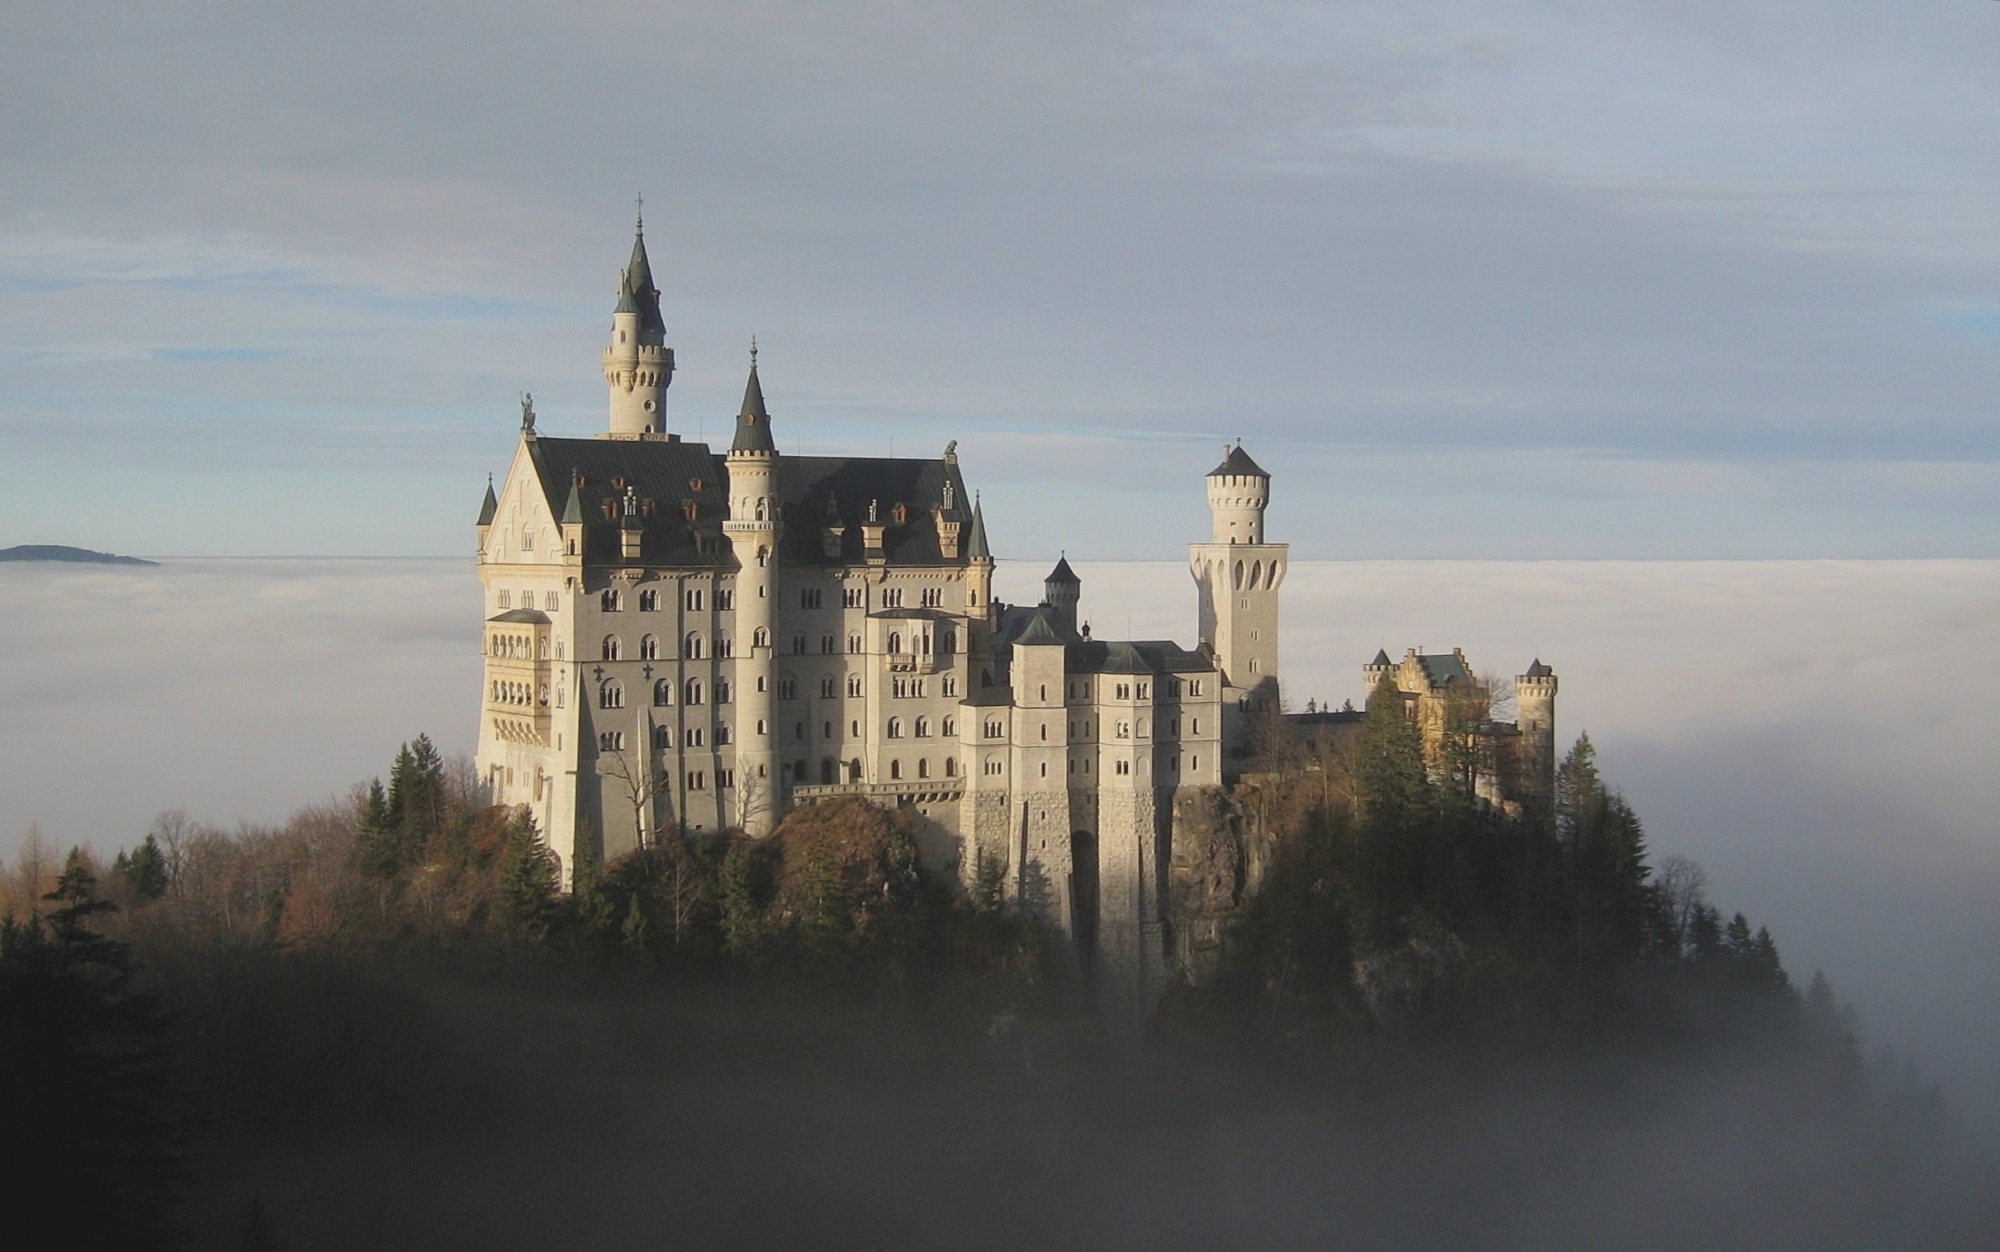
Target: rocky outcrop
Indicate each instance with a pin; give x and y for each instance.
(1220, 851)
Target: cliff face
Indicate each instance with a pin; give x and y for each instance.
(1220, 852)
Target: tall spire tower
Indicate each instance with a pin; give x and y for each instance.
(638, 364)
(753, 529)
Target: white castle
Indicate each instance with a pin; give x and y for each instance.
(681, 640)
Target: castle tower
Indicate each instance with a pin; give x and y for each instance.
(1237, 576)
(979, 575)
(1535, 700)
(638, 366)
(1061, 591)
(753, 530)
(1041, 863)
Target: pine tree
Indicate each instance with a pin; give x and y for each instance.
(1396, 816)
(742, 919)
(529, 881)
(147, 870)
(633, 932)
(101, 1136)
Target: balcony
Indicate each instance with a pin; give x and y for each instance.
(886, 794)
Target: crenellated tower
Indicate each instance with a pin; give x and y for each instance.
(638, 365)
(1535, 704)
(1237, 576)
(753, 530)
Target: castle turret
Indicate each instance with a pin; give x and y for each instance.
(1061, 591)
(1535, 701)
(753, 530)
(1237, 576)
(638, 366)
(487, 509)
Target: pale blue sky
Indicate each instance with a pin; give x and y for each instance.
(1659, 279)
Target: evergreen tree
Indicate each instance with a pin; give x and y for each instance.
(742, 918)
(147, 870)
(633, 932)
(1396, 813)
(99, 1134)
(378, 841)
(530, 882)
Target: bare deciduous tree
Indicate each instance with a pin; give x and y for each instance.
(641, 783)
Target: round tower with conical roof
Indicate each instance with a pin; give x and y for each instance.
(638, 365)
(1062, 590)
(753, 529)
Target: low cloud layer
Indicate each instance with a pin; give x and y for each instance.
(1815, 732)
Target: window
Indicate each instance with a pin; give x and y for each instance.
(663, 737)
(892, 597)
(1124, 730)
(725, 778)
(850, 598)
(809, 599)
(722, 734)
(725, 647)
(725, 599)
(799, 732)
(828, 688)
(854, 643)
(923, 728)
(649, 601)
(663, 693)
(1194, 686)
(895, 728)
(760, 638)
(722, 691)
(611, 600)
(933, 597)
(697, 780)
(854, 729)
(951, 684)
(951, 767)
(948, 642)
(695, 737)
(694, 599)
(949, 728)
(611, 741)
(506, 600)
(895, 769)
(1143, 689)
(527, 541)
(610, 650)
(854, 685)
(827, 768)
(1123, 691)
(649, 648)
(611, 695)
(1253, 664)
(551, 602)
(994, 729)
(691, 647)
(994, 765)
(692, 693)
(1124, 767)
(828, 645)
(1194, 762)
(895, 642)
(1194, 725)
(788, 688)
(762, 683)
(798, 645)
(923, 767)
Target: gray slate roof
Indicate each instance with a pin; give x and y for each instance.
(753, 421)
(670, 476)
(1238, 462)
(1444, 668)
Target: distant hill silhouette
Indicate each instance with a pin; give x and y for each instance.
(59, 552)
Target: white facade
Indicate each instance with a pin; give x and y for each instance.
(680, 639)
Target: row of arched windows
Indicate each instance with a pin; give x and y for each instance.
(519, 694)
(1261, 575)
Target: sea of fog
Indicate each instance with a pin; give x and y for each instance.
(1818, 733)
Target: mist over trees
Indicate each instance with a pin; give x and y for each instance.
(1428, 1024)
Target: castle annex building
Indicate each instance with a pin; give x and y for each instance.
(685, 639)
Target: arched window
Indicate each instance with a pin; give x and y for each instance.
(610, 648)
(663, 737)
(543, 650)
(527, 544)
(721, 734)
(895, 769)
(895, 728)
(1236, 576)
(949, 728)
(649, 649)
(611, 695)
(612, 600)
(1256, 573)
(692, 695)
(923, 767)
(543, 695)
(923, 728)
(951, 767)
(663, 692)
(826, 771)
(948, 643)
(691, 647)
(895, 642)
(760, 638)
(854, 770)
(854, 643)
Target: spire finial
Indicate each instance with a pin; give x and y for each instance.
(753, 351)
(641, 226)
